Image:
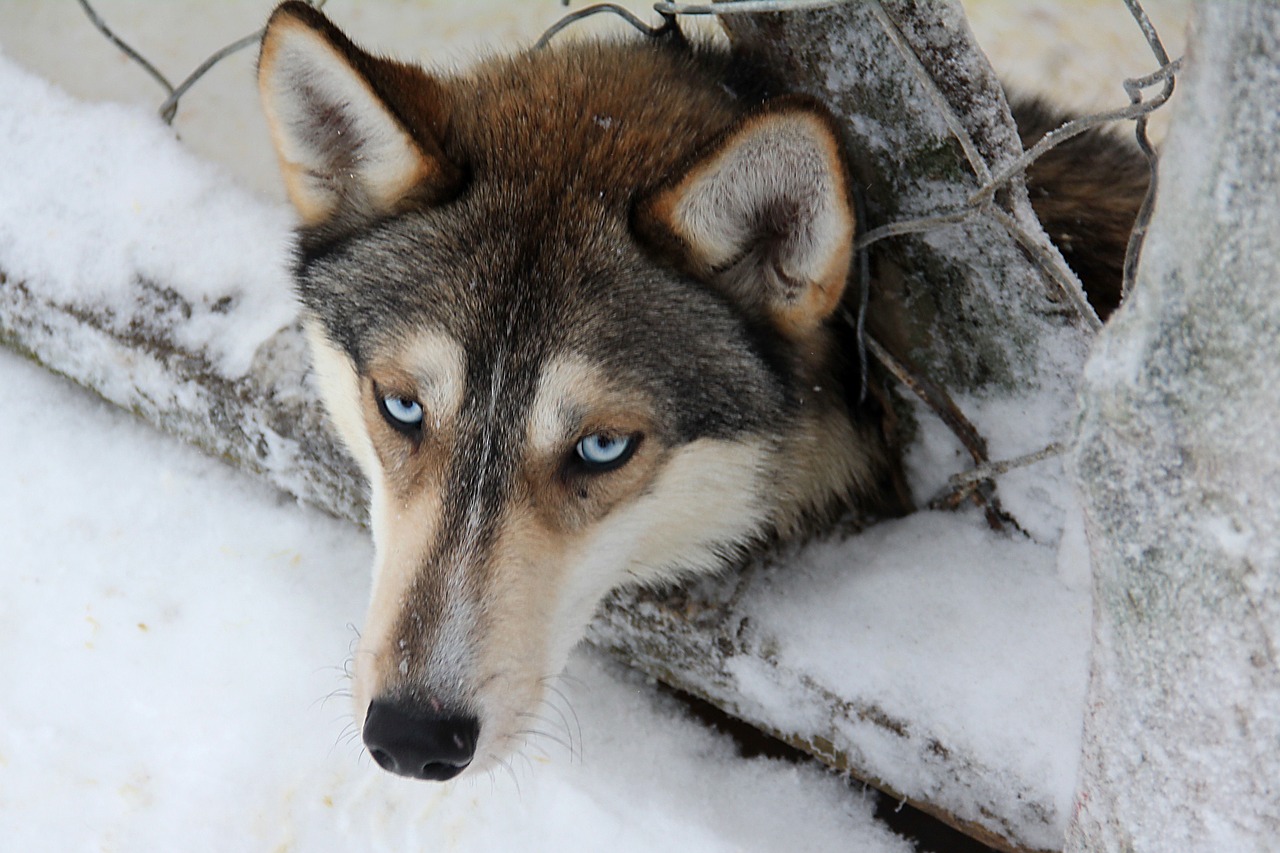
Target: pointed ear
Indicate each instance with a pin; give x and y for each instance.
(352, 131)
(765, 213)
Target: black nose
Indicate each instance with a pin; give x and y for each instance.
(420, 745)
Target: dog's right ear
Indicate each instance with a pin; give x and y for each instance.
(765, 214)
(353, 132)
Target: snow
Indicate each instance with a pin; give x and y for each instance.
(998, 627)
(124, 201)
(942, 634)
(174, 634)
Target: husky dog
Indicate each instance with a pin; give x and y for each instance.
(572, 313)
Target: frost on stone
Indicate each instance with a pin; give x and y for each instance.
(1180, 469)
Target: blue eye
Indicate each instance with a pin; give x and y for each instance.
(402, 412)
(603, 452)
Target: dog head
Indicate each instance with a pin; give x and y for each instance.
(569, 311)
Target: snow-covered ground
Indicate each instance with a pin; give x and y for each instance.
(172, 635)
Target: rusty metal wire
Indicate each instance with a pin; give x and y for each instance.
(966, 484)
(97, 21)
(1134, 87)
(668, 22)
(742, 7)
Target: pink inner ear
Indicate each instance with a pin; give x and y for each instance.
(766, 213)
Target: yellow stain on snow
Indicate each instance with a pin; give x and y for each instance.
(94, 626)
(137, 791)
(294, 556)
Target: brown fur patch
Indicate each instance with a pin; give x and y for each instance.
(1087, 193)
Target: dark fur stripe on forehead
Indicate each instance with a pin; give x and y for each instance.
(353, 318)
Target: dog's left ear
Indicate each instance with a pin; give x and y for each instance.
(764, 213)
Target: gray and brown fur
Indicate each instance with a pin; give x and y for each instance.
(1086, 192)
(615, 238)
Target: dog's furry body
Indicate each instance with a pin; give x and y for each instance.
(573, 313)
